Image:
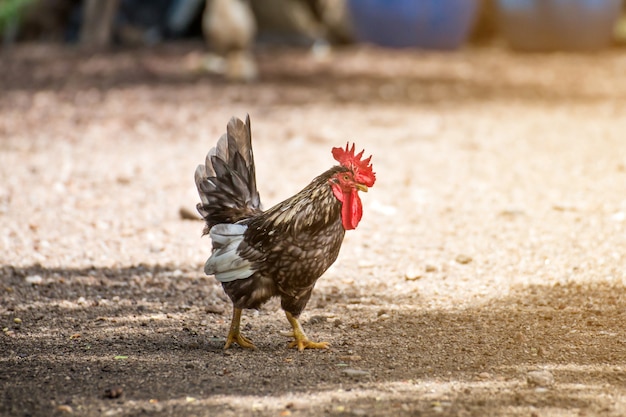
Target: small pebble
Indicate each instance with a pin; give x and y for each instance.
(65, 409)
(213, 309)
(430, 268)
(34, 279)
(463, 259)
(113, 392)
(412, 274)
(17, 320)
(484, 375)
(540, 379)
(355, 372)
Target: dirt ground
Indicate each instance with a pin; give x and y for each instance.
(486, 278)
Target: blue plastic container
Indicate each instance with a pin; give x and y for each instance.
(429, 24)
(544, 25)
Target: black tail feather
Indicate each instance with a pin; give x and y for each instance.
(227, 181)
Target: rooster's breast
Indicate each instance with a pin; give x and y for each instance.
(300, 259)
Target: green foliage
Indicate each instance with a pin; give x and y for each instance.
(10, 11)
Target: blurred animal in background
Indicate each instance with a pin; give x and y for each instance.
(229, 28)
(314, 23)
(280, 252)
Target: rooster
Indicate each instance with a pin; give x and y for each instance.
(280, 252)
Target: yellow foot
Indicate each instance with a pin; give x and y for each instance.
(240, 339)
(307, 344)
(234, 334)
(302, 342)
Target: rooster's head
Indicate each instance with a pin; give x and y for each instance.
(357, 176)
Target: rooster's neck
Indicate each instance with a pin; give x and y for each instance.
(314, 208)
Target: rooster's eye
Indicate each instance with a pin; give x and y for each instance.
(346, 177)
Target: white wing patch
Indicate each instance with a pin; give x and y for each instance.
(225, 263)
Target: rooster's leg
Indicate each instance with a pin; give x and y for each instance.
(302, 342)
(234, 334)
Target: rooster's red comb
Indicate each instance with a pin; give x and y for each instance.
(362, 169)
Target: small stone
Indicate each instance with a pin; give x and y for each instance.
(213, 309)
(540, 379)
(430, 268)
(34, 279)
(65, 409)
(484, 375)
(355, 372)
(156, 248)
(17, 320)
(123, 179)
(113, 392)
(463, 259)
(412, 274)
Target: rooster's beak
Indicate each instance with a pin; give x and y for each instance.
(361, 187)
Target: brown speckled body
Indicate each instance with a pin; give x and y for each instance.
(290, 245)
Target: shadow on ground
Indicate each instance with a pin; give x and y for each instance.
(155, 334)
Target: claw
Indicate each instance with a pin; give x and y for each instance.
(308, 344)
(240, 339)
(302, 341)
(234, 334)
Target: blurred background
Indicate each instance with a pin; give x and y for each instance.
(530, 25)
